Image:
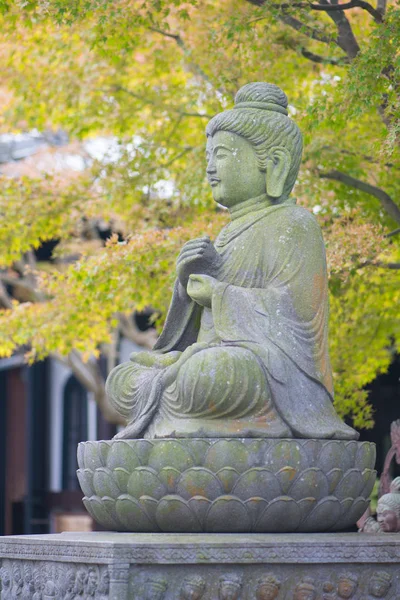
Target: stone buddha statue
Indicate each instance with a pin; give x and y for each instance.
(244, 349)
(388, 509)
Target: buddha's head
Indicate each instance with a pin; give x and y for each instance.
(305, 590)
(388, 512)
(155, 589)
(347, 585)
(229, 587)
(379, 584)
(193, 588)
(268, 588)
(253, 149)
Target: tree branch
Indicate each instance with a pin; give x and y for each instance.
(308, 31)
(346, 39)
(5, 298)
(380, 265)
(381, 7)
(386, 201)
(376, 13)
(323, 59)
(129, 329)
(393, 233)
(90, 376)
(352, 4)
(188, 53)
(183, 113)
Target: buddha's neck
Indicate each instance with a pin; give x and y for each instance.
(249, 206)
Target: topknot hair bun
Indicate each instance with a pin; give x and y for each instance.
(262, 95)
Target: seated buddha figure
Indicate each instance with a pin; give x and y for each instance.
(243, 352)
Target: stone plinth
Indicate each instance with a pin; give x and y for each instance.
(202, 566)
(226, 485)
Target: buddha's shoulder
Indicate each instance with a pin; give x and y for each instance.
(294, 216)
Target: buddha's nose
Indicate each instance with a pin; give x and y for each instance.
(211, 168)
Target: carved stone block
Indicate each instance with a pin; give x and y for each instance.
(123, 566)
(226, 485)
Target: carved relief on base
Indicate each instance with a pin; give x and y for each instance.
(34, 580)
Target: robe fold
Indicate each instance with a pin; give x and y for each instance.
(258, 359)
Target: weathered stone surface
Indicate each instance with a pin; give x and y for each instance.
(117, 566)
(226, 485)
(244, 349)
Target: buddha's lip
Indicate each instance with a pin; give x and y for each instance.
(213, 180)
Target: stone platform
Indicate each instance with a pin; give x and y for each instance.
(140, 566)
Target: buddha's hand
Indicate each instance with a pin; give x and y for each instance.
(197, 256)
(201, 288)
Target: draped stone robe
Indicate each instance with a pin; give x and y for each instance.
(256, 363)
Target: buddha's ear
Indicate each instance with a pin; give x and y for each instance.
(278, 165)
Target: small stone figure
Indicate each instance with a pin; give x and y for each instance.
(5, 584)
(104, 586)
(92, 582)
(28, 586)
(370, 525)
(328, 591)
(268, 587)
(69, 585)
(38, 584)
(229, 587)
(347, 586)
(193, 588)
(80, 584)
(394, 452)
(388, 509)
(155, 589)
(50, 591)
(379, 584)
(305, 590)
(17, 581)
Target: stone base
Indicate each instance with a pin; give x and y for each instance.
(201, 567)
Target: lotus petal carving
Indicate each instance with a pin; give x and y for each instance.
(311, 482)
(122, 453)
(281, 515)
(217, 517)
(199, 481)
(175, 515)
(170, 453)
(227, 452)
(131, 514)
(226, 485)
(327, 511)
(257, 482)
(144, 481)
(85, 478)
(104, 483)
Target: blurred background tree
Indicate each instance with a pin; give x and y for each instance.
(145, 77)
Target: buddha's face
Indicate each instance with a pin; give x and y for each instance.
(346, 588)
(304, 594)
(232, 169)
(191, 592)
(378, 588)
(228, 591)
(388, 521)
(267, 591)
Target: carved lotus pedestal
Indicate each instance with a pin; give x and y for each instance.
(226, 485)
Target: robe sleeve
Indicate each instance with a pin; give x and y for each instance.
(182, 324)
